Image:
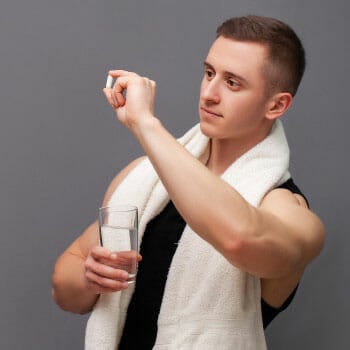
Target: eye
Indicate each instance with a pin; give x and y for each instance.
(233, 84)
(209, 73)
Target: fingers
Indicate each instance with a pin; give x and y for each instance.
(99, 252)
(97, 289)
(100, 285)
(105, 270)
(114, 92)
(114, 95)
(121, 73)
(103, 279)
(102, 274)
(102, 253)
(114, 99)
(131, 96)
(154, 87)
(117, 96)
(108, 95)
(103, 256)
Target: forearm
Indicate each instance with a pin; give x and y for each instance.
(265, 241)
(255, 240)
(68, 286)
(208, 204)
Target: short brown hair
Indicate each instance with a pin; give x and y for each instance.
(286, 56)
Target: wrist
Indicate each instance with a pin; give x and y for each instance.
(146, 125)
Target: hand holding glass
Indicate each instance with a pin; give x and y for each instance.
(118, 227)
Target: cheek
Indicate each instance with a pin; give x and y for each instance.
(243, 110)
(247, 103)
(238, 105)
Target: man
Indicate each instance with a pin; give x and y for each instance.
(247, 233)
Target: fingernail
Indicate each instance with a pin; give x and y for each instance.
(124, 275)
(113, 256)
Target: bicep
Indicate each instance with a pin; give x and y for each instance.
(291, 228)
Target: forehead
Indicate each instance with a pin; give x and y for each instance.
(243, 58)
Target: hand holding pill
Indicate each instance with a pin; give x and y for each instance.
(131, 95)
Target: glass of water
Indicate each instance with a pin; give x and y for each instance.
(118, 227)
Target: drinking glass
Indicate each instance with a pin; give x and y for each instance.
(118, 226)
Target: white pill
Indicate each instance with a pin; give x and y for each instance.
(109, 83)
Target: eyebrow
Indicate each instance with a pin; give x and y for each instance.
(227, 73)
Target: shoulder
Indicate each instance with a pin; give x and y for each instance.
(303, 230)
(119, 178)
(290, 205)
(284, 195)
(292, 210)
(292, 187)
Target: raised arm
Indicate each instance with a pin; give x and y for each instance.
(272, 241)
(85, 269)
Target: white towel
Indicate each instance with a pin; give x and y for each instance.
(208, 303)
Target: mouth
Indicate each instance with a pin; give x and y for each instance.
(209, 113)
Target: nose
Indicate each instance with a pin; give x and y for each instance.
(210, 90)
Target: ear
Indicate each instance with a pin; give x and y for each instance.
(278, 105)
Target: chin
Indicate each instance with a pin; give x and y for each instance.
(208, 130)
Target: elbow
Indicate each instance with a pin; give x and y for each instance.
(236, 246)
(66, 302)
(321, 238)
(318, 241)
(55, 286)
(241, 234)
(57, 296)
(240, 242)
(57, 293)
(240, 252)
(54, 295)
(66, 306)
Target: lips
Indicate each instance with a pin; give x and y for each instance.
(210, 113)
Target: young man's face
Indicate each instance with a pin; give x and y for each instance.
(233, 100)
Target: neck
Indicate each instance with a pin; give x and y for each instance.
(224, 152)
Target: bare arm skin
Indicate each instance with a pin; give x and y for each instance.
(274, 242)
(276, 290)
(85, 270)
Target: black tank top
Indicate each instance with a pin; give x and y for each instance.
(158, 247)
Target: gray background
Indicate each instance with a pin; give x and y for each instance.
(60, 144)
